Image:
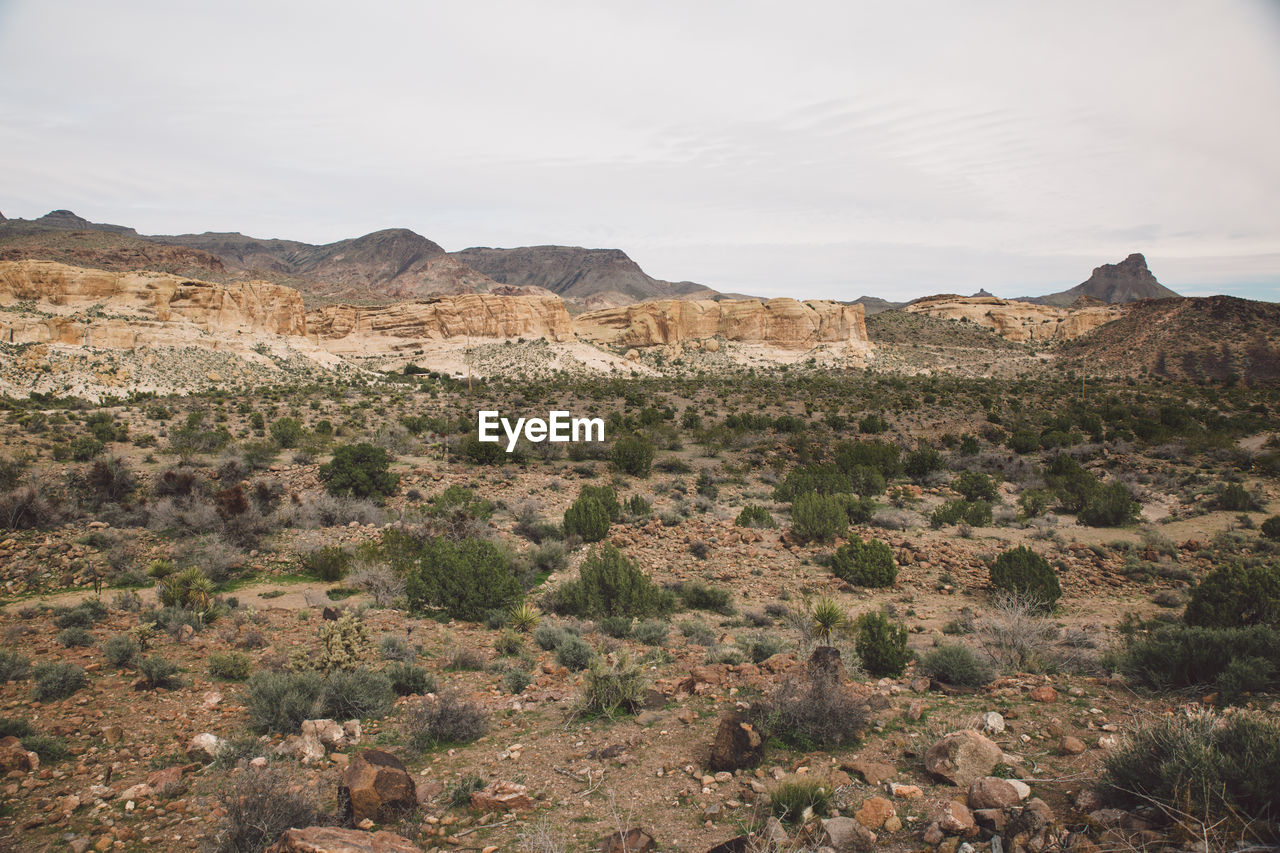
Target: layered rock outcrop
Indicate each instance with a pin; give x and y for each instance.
(405, 325)
(1023, 322)
(781, 323)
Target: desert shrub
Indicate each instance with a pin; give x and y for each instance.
(13, 667)
(1203, 765)
(975, 486)
(1017, 637)
(859, 510)
(328, 563)
(358, 693)
(883, 456)
(761, 647)
(549, 636)
(450, 719)
(865, 563)
(18, 727)
(632, 455)
(1236, 498)
(187, 590)
(961, 511)
(508, 644)
(107, 481)
(1109, 506)
(1175, 657)
(574, 653)
(697, 595)
(359, 470)
(484, 452)
(395, 647)
(637, 507)
(609, 584)
(587, 518)
(379, 580)
(1271, 528)
(1034, 502)
(818, 518)
(463, 659)
(956, 664)
(756, 516)
(810, 712)
(792, 799)
(1235, 594)
(920, 463)
(408, 679)
(33, 506)
(83, 615)
(651, 632)
(618, 627)
(819, 478)
(465, 579)
(523, 617)
(57, 680)
(516, 679)
(50, 749)
(344, 643)
(230, 666)
(882, 645)
(1025, 573)
(259, 806)
(618, 688)
(280, 701)
(158, 673)
(72, 637)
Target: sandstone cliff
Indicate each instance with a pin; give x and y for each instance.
(781, 323)
(1023, 322)
(405, 325)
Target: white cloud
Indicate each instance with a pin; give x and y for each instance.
(825, 149)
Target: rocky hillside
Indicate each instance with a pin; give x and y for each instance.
(591, 278)
(1214, 339)
(1127, 281)
(1022, 322)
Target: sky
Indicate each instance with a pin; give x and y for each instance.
(809, 149)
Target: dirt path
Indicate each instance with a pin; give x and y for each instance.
(297, 596)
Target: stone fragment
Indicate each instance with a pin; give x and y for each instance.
(960, 757)
(737, 745)
(846, 835)
(375, 786)
(874, 812)
(502, 797)
(1044, 693)
(633, 840)
(204, 747)
(1071, 745)
(990, 792)
(333, 839)
(956, 819)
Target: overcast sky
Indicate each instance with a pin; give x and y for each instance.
(814, 149)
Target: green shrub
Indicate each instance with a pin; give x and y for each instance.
(822, 479)
(1177, 657)
(358, 693)
(818, 518)
(72, 637)
(608, 498)
(515, 680)
(287, 432)
(1244, 676)
(921, 462)
(976, 486)
(632, 455)
(858, 510)
(761, 647)
(84, 615)
(409, 680)
(956, 664)
(230, 666)
(651, 632)
(548, 636)
(280, 701)
(450, 719)
(466, 579)
(1233, 595)
(328, 563)
(865, 563)
(57, 680)
(1024, 441)
(882, 645)
(1025, 573)
(187, 590)
(509, 643)
(618, 627)
(120, 650)
(617, 688)
(759, 517)
(50, 749)
(1109, 506)
(344, 643)
(697, 595)
(13, 667)
(158, 673)
(587, 519)
(574, 653)
(1271, 528)
(1207, 766)
(359, 470)
(961, 511)
(791, 799)
(609, 584)
(883, 456)
(1236, 498)
(18, 727)
(485, 452)
(395, 647)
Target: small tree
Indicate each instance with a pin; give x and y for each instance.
(632, 454)
(865, 563)
(609, 584)
(287, 432)
(1234, 595)
(1024, 572)
(587, 519)
(818, 518)
(882, 645)
(359, 470)
(467, 579)
(975, 486)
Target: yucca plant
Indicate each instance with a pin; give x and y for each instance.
(829, 619)
(523, 617)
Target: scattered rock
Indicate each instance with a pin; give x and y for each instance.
(375, 786)
(327, 732)
(14, 757)
(993, 722)
(956, 819)
(736, 745)
(874, 812)
(502, 797)
(990, 792)
(906, 792)
(1071, 745)
(873, 773)
(634, 840)
(204, 747)
(333, 839)
(961, 757)
(846, 835)
(1044, 693)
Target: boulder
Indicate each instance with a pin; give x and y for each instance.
(502, 797)
(872, 772)
(375, 786)
(956, 819)
(825, 666)
(333, 839)
(1044, 693)
(846, 835)
(736, 745)
(634, 840)
(14, 757)
(1071, 745)
(304, 748)
(990, 792)
(961, 757)
(204, 747)
(993, 722)
(327, 732)
(874, 812)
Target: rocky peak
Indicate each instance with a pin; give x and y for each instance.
(1127, 281)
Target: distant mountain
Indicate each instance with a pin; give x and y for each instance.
(594, 278)
(1127, 281)
(875, 305)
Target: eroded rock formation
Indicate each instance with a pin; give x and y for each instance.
(781, 323)
(1018, 321)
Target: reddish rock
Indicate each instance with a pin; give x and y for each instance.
(634, 840)
(333, 839)
(990, 792)
(956, 819)
(14, 757)
(1044, 693)
(873, 773)
(874, 812)
(375, 786)
(502, 797)
(963, 756)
